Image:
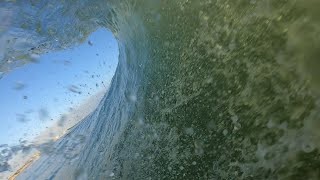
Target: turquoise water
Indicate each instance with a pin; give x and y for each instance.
(203, 90)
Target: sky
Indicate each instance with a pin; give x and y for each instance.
(37, 94)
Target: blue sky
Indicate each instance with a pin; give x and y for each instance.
(32, 95)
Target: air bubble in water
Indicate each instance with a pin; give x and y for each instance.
(308, 147)
(211, 125)
(141, 121)
(237, 126)
(189, 131)
(133, 98)
(270, 124)
(234, 118)
(156, 98)
(225, 132)
(198, 148)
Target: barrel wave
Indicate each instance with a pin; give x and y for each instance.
(205, 89)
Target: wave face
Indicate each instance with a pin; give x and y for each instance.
(204, 89)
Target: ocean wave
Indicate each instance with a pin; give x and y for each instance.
(203, 89)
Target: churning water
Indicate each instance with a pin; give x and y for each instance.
(204, 89)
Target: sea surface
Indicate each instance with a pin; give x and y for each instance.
(204, 89)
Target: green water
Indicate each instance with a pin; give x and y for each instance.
(231, 92)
